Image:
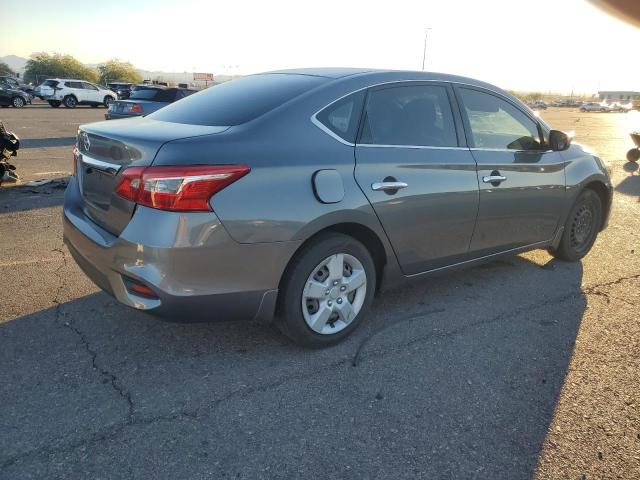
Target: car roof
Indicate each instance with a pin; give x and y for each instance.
(385, 75)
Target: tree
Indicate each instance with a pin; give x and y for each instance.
(116, 71)
(44, 65)
(5, 70)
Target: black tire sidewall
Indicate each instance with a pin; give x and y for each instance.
(13, 102)
(566, 251)
(289, 317)
(105, 102)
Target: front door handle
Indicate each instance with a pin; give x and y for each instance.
(493, 178)
(385, 186)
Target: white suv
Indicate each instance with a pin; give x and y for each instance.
(67, 92)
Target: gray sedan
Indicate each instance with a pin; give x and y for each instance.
(295, 196)
(145, 99)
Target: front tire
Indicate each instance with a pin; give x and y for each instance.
(17, 102)
(326, 290)
(581, 228)
(70, 101)
(107, 101)
(54, 103)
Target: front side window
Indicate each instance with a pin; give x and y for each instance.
(497, 124)
(88, 86)
(417, 115)
(342, 117)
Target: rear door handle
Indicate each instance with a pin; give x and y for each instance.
(388, 186)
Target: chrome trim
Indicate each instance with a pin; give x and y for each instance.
(112, 168)
(374, 145)
(319, 124)
(322, 127)
(388, 186)
(493, 178)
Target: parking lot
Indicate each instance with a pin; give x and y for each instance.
(523, 368)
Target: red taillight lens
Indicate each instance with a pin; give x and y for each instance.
(135, 108)
(186, 189)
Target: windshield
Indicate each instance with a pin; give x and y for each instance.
(238, 101)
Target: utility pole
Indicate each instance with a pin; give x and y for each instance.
(424, 52)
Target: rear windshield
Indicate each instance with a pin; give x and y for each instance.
(50, 83)
(238, 101)
(155, 94)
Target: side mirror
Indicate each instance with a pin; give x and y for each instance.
(559, 141)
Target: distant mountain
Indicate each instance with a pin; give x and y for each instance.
(15, 63)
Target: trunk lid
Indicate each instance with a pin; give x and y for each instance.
(106, 148)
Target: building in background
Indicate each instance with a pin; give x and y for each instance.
(620, 96)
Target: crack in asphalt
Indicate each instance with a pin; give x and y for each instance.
(204, 412)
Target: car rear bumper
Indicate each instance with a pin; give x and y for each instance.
(197, 271)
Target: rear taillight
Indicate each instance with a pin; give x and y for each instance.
(177, 188)
(134, 108)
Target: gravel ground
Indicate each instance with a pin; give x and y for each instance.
(522, 368)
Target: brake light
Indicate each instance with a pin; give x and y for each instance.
(177, 188)
(135, 108)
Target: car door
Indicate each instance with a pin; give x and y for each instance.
(5, 94)
(419, 177)
(522, 182)
(92, 93)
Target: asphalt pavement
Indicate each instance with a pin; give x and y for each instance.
(526, 367)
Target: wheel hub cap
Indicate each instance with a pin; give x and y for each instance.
(334, 293)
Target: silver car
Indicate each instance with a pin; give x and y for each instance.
(296, 195)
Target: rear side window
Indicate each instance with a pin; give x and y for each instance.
(416, 115)
(238, 101)
(50, 83)
(343, 116)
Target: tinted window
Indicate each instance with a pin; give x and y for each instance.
(154, 94)
(73, 84)
(343, 116)
(238, 101)
(409, 115)
(50, 83)
(88, 86)
(496, 123)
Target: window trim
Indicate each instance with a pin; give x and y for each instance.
(457, 123)
(455, 106)
(543, 131)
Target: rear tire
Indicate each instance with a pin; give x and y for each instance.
(70, 101)
(334, 263)
(581, 228)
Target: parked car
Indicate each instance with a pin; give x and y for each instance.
(70, 93)
(538, 105)
(595, 107)
(145, 99)
(296, 195)
(122, 89)
(14, 97)
(17, 84)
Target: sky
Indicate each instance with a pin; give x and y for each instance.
(540, 45)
